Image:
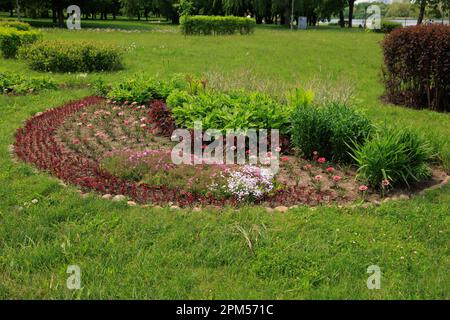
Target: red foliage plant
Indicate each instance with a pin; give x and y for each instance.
(417, 67)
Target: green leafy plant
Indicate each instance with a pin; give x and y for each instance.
(233, 110)
(398, 156)
(143, 89)
(17, 84)
(65, 56)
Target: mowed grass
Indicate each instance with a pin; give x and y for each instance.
(133, 252)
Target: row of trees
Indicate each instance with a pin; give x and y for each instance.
(269, 11)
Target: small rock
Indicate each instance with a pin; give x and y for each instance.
(157, 207)
(403, 197)
(174, 207)
(268, 209)
(281, 209)
(119, 197)
(365, 205)
(84, 195)
(107, 196)
(386, 200)
(293, 207)
(376, 202)
(132, 203)
(196, 209)
(34, 201)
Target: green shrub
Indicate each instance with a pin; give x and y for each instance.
(18, 25)
(11, 39)
(64, 56)
(17, 84)
(328, 130)
(397, 155)
(216, 25)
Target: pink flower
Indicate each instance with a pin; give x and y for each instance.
(284, 158)
(143, 125)
(126, 102)
(76, 141)
(337, 178)
(315, 153)
(318, 177)
(321, 160)
(126, 122)
(90, 126)
(307, 166)
(269, 154)
(120, 114)
(330, 169)
(278, 149)
(385, 183)
(363, 188)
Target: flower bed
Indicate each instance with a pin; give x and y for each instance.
(57, 141)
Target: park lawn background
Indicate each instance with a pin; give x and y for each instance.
(133, 252)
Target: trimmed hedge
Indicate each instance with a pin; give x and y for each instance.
(63, 56)
(417, 67)
(216, 25)
(11, 39)
(18, 25)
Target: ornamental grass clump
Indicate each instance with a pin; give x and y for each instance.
(328, 130)
(393, 157)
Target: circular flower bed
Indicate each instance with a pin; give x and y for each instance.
(124, 149)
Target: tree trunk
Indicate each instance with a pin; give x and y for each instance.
(351, 5)
(421, 12)
(341, 18)
(60, 14)
(18, 10)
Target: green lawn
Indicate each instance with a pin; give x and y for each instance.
(137, 252)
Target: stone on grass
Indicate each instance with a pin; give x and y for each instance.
(269, 209)
(174, 207)
(196, 209)
(119, 197)
(131, 203)
(281, 209)
(107, 196)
